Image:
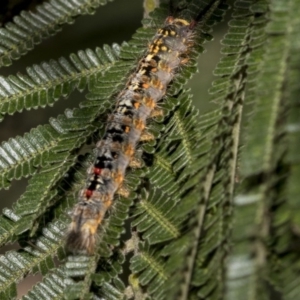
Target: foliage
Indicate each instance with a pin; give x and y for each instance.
(206, 218)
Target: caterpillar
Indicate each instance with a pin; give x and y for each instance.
(134, 106)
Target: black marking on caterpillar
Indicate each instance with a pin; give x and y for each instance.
(135, 104)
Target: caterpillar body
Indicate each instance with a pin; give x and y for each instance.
(134, 105)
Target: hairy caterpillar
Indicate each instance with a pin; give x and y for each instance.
(134, 105)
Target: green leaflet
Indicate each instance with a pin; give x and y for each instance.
(48, 82)
(257, 155)
(29, 28)
(17, 263)
(153, 215)
(287, 282)
(292, 126)
(241, 269)
(263, 194)
(53, 286)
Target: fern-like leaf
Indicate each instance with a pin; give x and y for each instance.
(264, 188)
(46, 83)
(29, 28)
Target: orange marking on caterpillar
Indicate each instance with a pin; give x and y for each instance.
(91, 226)
(139, 124)
(154, 49)
(149, 102)
(169, 20)
(108, 203)
(157, 84)
(129, 150)
(163, 66)
(137, 105)
(163, 48)
(118, 178)
(157, 113)
(135, 162)
(145, 79)
(123, 191)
